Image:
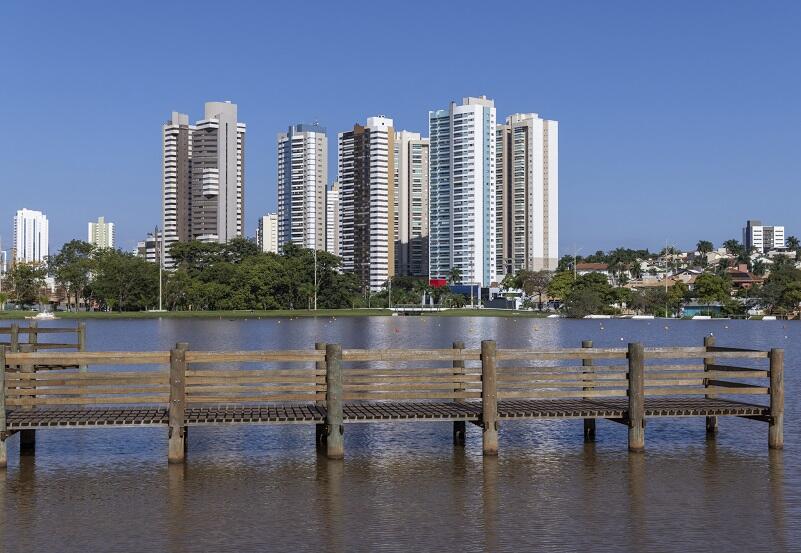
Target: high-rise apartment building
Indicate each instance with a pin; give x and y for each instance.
(366, 178)
(411, 204)
(267, 233)
(462, 191)
(218, 174)
(527, 180)
(101, 233)
(302, 179)
(203, 176)
(762, 238)
(31, 236)
(149, 249)
(176, 180)
(332, 222)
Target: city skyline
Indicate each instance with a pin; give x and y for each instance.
(639, 151)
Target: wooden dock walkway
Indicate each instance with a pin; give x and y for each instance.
(331, 387)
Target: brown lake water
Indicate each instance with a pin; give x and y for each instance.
(405, 486)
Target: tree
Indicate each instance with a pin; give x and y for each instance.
(711, 288)
(27, 281)
(534, 282)
(793, 243)
(704, 247)
(71, 268)
(123, 281)
(733, 246)
(589, 294)
(454, 276)
(560, 285)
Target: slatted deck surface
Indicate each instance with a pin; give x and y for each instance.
(558, 409)
(266, 414)
(408, 410)
(76, 416)
(692, 407)
(379, 411)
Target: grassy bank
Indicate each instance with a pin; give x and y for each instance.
(279, 313)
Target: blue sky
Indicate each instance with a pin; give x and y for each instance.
(678, 120)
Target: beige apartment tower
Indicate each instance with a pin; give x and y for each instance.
(527, 194)
(411, 204)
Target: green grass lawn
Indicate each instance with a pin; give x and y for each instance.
(284, 313)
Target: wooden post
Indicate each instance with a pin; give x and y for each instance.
(636, 377)
(27, 438)
(82, 340)
(14, 340)
(3, 427)
(489, 397)
(335, 442)
(319, 429)
(776, 423)
(33, 335)
(177, 445)
(459, 427)
(589, 424)
(711, 422)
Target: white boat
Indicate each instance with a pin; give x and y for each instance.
(769, 318)
(701, 317)
(642, 316)
(43, 316)
(598, 316)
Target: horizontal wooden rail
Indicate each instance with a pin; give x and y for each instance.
(253, 356)
(410, 355)
(40, 330)
(561, 354)
(87, 357)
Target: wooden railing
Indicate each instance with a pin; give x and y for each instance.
(482, 385)
(33, 331)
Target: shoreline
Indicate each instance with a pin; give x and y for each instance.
(271, 314)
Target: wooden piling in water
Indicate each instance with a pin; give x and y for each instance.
(3, 427)
(14, 340)
(82, 340)
(489, 397)
(177, 410)
(589, 424)
(459, 427)
(776, 422)
(33, 335)
(319, 429)
(335, 442)
(27, 438)
(711, 421)
(636, 393)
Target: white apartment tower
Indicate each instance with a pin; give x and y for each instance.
(411, 204)
(302, 178)
(366, 178)
(101, 233)
(527, 197)
(176, 180)
(462, 191)
(267, 233)
(31, 235)
(218, 177)
(332, 221)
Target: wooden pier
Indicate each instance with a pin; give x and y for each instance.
(332, 387)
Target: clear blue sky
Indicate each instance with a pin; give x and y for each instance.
(678, 120)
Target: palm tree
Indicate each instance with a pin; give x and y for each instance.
(793, 243)
(454, 276)
(704, 247)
